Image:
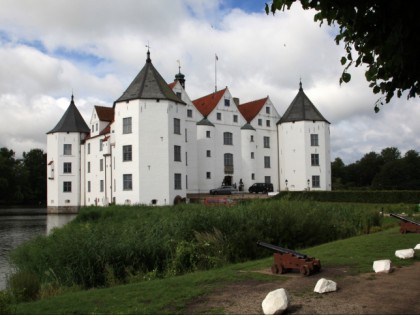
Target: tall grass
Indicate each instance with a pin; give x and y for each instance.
(106, 246)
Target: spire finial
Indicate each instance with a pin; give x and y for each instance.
(179, 66)
(72, 97)
(148, 52)
(300, 84)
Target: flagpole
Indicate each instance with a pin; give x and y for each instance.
(215, 73)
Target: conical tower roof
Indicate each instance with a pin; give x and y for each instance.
(301, 109)
(149, 84)
(72, 121)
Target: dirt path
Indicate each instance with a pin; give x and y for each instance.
(394, 293)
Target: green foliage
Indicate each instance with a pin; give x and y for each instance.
(7, 303)
(355, 196)
(23, 181)
(107, 246)
(24, 285)
(382, 34)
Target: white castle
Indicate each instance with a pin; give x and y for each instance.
(155, 146)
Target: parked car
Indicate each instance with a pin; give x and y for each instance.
(224, 190)
(261, 187)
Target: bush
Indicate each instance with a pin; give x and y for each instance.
(7, 303)
(24, 285)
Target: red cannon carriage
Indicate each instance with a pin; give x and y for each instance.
(287, 259)
(407, 225)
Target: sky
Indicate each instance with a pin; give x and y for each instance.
(93, 49)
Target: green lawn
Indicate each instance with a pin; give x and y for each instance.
(171, 295)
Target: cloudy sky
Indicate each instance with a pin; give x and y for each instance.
(50, 49)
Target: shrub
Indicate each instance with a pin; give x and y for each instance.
(7, 303)
(24, 285)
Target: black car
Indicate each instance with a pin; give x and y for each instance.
(261, 187)
(224, 190)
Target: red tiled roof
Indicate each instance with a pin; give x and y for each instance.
(172, 85)
(206, 104)
(251, 109)
(105, 113)
(107, 129)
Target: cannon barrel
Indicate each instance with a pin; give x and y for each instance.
(404, 219)
(281, 249)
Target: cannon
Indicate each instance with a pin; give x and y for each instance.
(287, 259)
(407, 225)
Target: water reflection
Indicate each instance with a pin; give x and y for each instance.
(20, 225)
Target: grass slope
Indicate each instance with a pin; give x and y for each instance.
(171, 295)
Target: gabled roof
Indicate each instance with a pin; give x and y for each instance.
(172, 85)
(251, 109)
(205, 122)
(72, 121)
(206, 104)
(149, 84)
(301, 109)
(104, 113)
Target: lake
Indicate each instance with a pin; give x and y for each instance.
(18, 225)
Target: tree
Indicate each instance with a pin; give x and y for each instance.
(35, 164)
(7, 174)
(384, 35)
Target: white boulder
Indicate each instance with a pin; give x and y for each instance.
(383, 265)
(323, 286)
(276, 302)
(405, 253)
(417, 246)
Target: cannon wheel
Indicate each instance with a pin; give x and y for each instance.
(304, 271)
(274, 269)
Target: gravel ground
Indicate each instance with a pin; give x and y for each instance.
(394, 293)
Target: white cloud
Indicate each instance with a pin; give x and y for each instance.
(95, 48)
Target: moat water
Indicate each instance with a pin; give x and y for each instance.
(18, 225)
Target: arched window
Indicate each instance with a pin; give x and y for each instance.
(228, 160)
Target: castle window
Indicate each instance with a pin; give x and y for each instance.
(101, 185)
(252, 155)
(127, 182)
(88, 184)
(315, 159)
(177, 126)
(253, 176)
(177, 181)
(259, 122)
(179, 95)
(266, 142)
(101, 165)
(252, 138)
(227, 138)
(177, 153)
(267, 123)
(208, 133)
(67, 149)
(316, 181)
(219, 116)
(88, 167)
(88, 148)
(101, 145)
(267, 110)
(66, 186)
(208, 175)
(267, 179)
(208, 153)
(235, 118)
(314, 140)
(189, 113)
(227, 102)
(267, 163)
(228, 160)
(127, 153)
(67, 168)
(127, 125)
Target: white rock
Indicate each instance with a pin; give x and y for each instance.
(382, 266)
(405, 253)
(275, 302)
(323, 286)
(417, 246)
